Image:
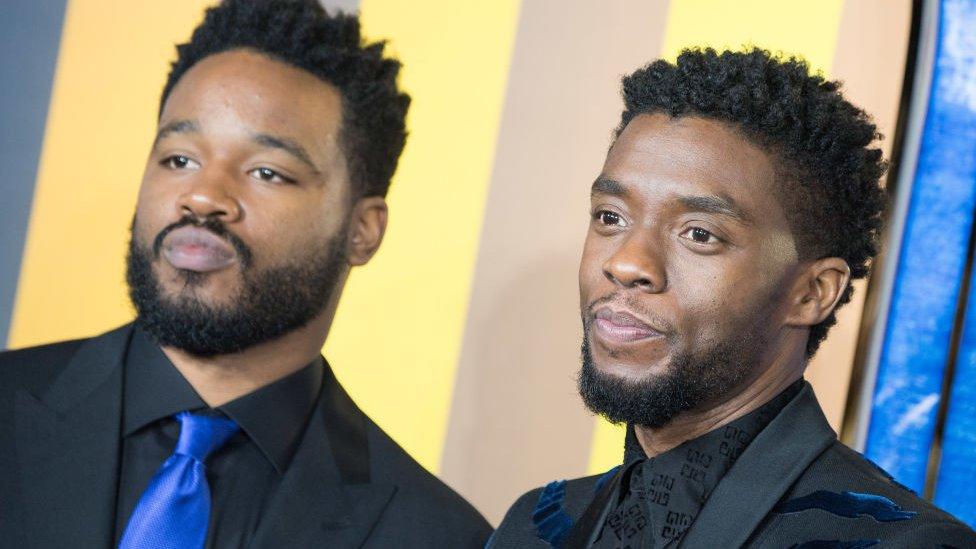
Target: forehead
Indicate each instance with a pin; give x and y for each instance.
(657, 156)
(242, 89)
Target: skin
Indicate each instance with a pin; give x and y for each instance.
(687, 236)
(213, 157)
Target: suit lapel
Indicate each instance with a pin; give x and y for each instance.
(317, 505)
(68, 447)
(764, 472)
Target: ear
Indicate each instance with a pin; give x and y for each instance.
(817, 290)
(368, 225)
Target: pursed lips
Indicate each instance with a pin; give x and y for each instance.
(197, 249)
(622, 327)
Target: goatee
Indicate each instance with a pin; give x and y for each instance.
(688, 382)
(272, 301)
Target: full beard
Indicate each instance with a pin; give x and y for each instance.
(689, 381)
(272, 301)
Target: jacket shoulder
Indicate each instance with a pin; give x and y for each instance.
(436, 514)
(844, 496)
(32, 368)
(856, 472)
(518, 528)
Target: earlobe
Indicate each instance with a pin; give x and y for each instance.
(818, 290)
(368, 225)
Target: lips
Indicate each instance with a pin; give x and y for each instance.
(622, 327)
(196, 249)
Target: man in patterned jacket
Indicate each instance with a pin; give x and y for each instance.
(739, 199)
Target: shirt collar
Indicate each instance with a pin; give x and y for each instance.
(273, 416)
(756, 419)
(153, 389)
(678, 481)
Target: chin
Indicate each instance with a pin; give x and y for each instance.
(173, 279)
(631, 361)
(203, 288)
(639, 372)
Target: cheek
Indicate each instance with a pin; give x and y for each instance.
(149, 221)
(711, 293)
(729, 309)
(591, 278)
(158, 185)
(157, 202)
(701, 281)
(286, 231)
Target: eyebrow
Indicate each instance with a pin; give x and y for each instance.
(716, 205)
(290, 146)
(285, 144)
(603, 185)
(176, 126)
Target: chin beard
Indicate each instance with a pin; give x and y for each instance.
(271, 302)
(687, 383)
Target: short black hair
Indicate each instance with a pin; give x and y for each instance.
(301, 33)
(821, 144)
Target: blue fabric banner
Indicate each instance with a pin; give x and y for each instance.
(956, 487)
(932, 260)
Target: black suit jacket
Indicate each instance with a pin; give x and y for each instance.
(349, 484)
(785, 490)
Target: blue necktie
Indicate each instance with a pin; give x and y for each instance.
(174, 511)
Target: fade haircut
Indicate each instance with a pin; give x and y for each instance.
(821, 145)
(302, 34)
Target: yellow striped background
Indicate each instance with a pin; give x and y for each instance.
(398, 330)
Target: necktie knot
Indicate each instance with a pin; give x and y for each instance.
(200, 436)
(174, 511)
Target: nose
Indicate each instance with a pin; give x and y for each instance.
(637, 264)
(211, 195)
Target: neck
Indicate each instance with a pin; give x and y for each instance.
(785, 365)
(223, 378)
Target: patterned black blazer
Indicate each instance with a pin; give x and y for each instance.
(795, 486)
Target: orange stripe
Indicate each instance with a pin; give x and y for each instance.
(397, 334)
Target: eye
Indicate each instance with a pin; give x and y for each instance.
(608, 218)
(178, 162)
(269, 175)
(701, 236)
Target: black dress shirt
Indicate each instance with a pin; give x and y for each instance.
(244, 474)
(660, 497)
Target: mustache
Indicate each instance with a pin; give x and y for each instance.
(211, 224)
(631, 303)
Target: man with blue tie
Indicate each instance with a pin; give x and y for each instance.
(212, 420)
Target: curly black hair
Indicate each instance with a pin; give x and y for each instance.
(821, 144)
(301, 33)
